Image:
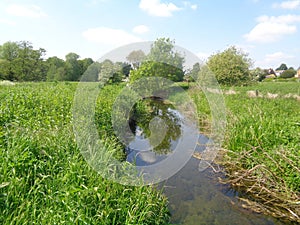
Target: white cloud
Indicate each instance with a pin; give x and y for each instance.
(109, 36)
(194, 7)
(274, 60)
(272, 29)
(190, 5)
(141, 29)
(7, 22)
(157, 8)
(203, 55)
(294, 4)
(32, 11)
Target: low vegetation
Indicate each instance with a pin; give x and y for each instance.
(262, 146)
(44, 178)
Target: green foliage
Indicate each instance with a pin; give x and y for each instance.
(157, 69)
(163, 51)
(43, 176)
(288, 74)
(268, 125)
(231, 67)
(110, 72)
(283, 66)
(19, 61)
(136, 58)
(258, 74)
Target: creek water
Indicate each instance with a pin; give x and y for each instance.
(195, 198)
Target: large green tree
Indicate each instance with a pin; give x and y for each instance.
(163, 50)
(162, 61)
(55, 69)
(135, 58)
(231, 67)
(19, 61)
(283, 66)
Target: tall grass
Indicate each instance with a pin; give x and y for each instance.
(44, 178)
(263, 146)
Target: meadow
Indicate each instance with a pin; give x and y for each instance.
(261, 150)
(45, 180)
(43, 176)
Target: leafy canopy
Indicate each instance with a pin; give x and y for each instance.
(231, 67)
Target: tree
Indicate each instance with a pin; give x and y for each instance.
(162, 50)
(162, 61)
(193, 73)
(55, 69)
(110, 72)
(288, 74)
(84, 64)
(72, 67)
(231, 67)
(157, 69)
(283, 66)
(135, 58)
(258, 74)
(19, 61)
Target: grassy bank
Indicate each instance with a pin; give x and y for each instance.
(43, 177)
(262, 156)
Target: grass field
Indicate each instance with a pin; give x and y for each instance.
(44, 178)
(262, 145)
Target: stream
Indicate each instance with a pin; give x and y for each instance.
(194, 197)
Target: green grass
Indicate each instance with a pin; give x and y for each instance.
(44, 178)
(263, 144)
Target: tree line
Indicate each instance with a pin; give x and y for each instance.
(19, 61)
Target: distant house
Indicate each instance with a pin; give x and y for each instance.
(298, 73)
(279, 72)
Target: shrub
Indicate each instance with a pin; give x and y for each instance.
(288, 74)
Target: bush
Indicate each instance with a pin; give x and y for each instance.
(288, 74)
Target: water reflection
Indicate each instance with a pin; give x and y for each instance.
(157, 127)
(195, 198)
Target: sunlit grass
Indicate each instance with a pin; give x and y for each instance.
(44, 178)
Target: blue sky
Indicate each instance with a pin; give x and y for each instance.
(266, 29)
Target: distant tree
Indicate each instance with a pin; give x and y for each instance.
(92, 72)
(19, 61)
(291, 68)
(258, 74)
(72, 67)
(231, 67)
(283, 66)
(157, 69)
(193, 73)
(162, 50)
(162, 61)
(8, 54)
(110, 72)
(135, 58)
(84, 64)
(288, 74)
(55, 69)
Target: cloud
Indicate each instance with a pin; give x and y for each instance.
(141, 29)
(31, 11)
(156, 8)
(271, 28)
(294, 4)
(109, 36)
(7, 22)
(190, 5)
(203, 55)
(274, 59)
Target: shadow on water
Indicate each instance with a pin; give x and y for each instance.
(194, 197)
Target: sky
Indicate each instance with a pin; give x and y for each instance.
(267, 30)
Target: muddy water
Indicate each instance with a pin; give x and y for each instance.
(195, 198)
